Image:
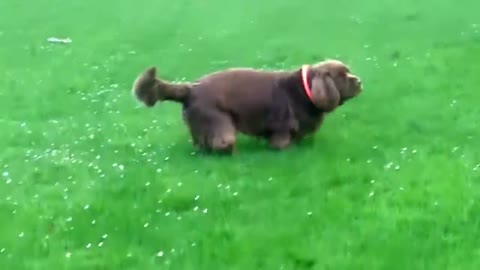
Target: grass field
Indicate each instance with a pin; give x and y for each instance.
(91, 180)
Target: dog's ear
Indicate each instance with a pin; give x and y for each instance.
(151, 72)
(325, 94)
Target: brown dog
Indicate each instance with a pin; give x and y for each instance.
(279, 106)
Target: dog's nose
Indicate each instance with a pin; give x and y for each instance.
(358, 84)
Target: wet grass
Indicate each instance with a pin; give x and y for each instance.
(91, 180)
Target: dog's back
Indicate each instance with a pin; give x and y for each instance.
(244, 93)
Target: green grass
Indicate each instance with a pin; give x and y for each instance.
(391, 181)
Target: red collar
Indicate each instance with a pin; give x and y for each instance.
(306, 87)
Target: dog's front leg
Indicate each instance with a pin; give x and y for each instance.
(280, 140)
(282, 133)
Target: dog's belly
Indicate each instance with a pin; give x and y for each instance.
(252, 129)
(252, 126)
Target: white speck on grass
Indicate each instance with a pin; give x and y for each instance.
(167, 158)
(105, 236)
(93, 222)
(160, 254)
(147, 184)
(21, 234)
(309, 213)
(197, 197)
(146, 225)
(2, 250)
(89, 245)
(388, 165)
(179, 184)
(121, 167)
(169, 190)
(100, 244)
(68, 255)
(86, 207)
(5, 174)
(205, 210)
(159, 170)
(270, 179)
(195, 208)
(371, 194)
(235, 194)
(167, 214)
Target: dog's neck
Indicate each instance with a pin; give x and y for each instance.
(294, 86)
(306, 86)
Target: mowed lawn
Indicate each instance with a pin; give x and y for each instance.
(89, 179)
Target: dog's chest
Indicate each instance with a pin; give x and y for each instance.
(308, 122)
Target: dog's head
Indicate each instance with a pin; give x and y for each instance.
(145, 87)
(333, 84)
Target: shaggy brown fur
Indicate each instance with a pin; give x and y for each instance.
(272, 105)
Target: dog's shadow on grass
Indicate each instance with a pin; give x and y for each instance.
(245, 146)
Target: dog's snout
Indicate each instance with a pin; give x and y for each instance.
(356, 80)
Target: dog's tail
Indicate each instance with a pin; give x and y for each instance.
(150, 89)
(177, 92)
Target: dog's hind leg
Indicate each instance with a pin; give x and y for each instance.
(211, 130)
